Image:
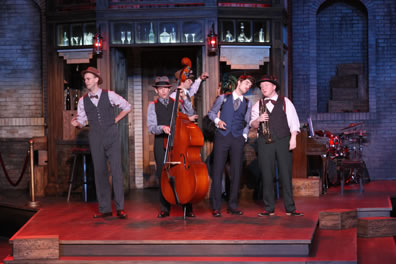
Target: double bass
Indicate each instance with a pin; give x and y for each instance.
(184, 176)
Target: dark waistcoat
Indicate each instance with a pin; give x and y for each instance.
(101, 117)
(235, 120)
(278, 121)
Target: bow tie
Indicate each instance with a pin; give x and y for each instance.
(270, 100)
(94, 96)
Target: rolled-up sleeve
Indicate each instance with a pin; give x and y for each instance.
(81, 115)
(292, 117)
(152, 123)
(247, 119)
(119, 101)
(215, 109)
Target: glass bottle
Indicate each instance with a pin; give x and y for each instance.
(76, 97)
(173, 35)
(242, 37)
(68, 99)
(164, 37)
(65, 39)
(261, 35)
(229, 37)
(151, 34)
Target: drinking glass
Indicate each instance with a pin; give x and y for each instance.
(186, 35)
(129, 37)
(122, 37)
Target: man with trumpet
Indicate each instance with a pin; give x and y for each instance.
(277, 124)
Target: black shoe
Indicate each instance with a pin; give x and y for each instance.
(216, 213)
(295, 213)
(266, 213)
(121, 214)
(190, 214)
(102, 215)
(234, 211)
(163, 214)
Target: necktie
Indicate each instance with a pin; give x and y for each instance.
(236, 103)
(269, 100)
(165, 101)
(94, 96)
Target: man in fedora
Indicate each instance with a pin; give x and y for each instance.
(159, 115)
(284, 126)
(97, 108)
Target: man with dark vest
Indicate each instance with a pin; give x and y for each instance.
(97, 109)
(231, 114)
(159, 115)
(277, 123)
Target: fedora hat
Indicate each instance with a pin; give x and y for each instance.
(271, 79)
(94, 71)
(162, 81)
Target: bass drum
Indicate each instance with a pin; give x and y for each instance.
(332, 172)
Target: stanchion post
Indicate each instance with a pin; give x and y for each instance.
(33, 203)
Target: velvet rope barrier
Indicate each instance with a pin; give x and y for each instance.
(23, 170)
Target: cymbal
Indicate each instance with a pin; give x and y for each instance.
(356, 132)
(352, 125)
(323, 133)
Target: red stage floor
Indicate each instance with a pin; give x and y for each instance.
(228, 239)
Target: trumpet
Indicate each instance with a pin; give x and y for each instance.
(265, 124)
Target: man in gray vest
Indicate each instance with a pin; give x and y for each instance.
(97, 108)
(277, 128)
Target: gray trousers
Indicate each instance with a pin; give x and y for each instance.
(105, 146)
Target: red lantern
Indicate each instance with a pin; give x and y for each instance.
(212, 42)
(98, 44)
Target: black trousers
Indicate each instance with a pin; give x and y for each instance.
(224, 146)
(159, 155)
(268, 154)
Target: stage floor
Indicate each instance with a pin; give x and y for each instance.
(247, 237)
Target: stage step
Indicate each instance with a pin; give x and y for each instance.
(377, 227)
(337, 219)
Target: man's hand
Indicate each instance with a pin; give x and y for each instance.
(263, 117)
(182, 94)
(166, 129)
(222, 125)
(193, 118)
(293, 141)
(75, 123)
(204, 76)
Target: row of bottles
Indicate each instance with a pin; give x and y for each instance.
(260, 36)
(71, 98)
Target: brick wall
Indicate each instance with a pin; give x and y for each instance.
(380, 122)
(21, 94)
(343, 28)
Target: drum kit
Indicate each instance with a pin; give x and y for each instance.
(347, 145)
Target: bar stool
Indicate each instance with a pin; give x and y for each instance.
(79, 152)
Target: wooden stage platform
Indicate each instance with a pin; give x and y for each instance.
(62, 232)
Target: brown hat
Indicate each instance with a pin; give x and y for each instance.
(94, 71)
(271, 79)
(162, 81)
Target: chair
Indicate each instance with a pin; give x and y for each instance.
(76, 153)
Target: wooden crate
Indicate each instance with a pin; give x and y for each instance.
(307, 187)
(36, 248)
(69, 131)
(376, 227)
(337, 219)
